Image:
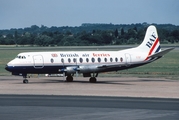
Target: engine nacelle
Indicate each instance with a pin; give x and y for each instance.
(71, 70)
(80, 69)
(87, 69)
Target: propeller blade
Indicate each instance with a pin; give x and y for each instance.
(64, 76)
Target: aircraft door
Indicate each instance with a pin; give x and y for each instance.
(128, 58)
(38, 61)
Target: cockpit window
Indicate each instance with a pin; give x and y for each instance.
(21, 57)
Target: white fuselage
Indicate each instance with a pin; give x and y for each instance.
(85, 61)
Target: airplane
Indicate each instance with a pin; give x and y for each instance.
(88, 63)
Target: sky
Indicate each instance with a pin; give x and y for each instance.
(25, 13)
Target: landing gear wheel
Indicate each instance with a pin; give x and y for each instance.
(69, 78)
(92, 80)
(25, 81)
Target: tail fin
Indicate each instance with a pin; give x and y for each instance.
(150, 44)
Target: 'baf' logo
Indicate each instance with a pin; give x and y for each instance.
(151, 40)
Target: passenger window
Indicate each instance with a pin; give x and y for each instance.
(121, 59)
(81, 60)
(51, 60)
(87, 60)
(74, 60)
(111, 59)
(105, 59)
(116, 59)
(69, 60)
(93, 60)
(62, 60)
(99, 60)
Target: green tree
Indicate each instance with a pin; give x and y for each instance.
(175, 35)
(140, 36)
(43, 40)
(95, 39)
(15, 38)
(67, 41)
(116, 33)
(107, 37)
(122, 32)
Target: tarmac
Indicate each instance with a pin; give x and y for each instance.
(105, 86)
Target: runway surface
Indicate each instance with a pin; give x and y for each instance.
(106, 86)
(42, 107)
(50, 98)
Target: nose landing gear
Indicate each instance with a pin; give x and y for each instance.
(25, 80)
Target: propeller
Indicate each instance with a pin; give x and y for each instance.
(76, 69)
(62, 60)
(64, 75)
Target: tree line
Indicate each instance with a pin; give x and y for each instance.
(86, 35)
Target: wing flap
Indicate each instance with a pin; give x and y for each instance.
(110, 65)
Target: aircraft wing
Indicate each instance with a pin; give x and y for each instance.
(123, 64)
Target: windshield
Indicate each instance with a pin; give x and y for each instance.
(20, 57)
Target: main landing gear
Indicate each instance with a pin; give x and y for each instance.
(92, 79)
(69, 78)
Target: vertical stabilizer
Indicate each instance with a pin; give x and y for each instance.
(150, 44)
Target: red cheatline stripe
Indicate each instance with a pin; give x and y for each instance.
(152, 49)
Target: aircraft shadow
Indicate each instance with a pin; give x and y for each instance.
(112, 82)
(50, 81)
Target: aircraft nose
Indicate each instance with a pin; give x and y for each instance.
(7, 68)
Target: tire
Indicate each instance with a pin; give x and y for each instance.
(69, 79)
(92, 80)
(25, 81)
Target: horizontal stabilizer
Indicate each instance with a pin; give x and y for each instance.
(160, 54)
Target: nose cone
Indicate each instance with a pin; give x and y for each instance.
(7, 68)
